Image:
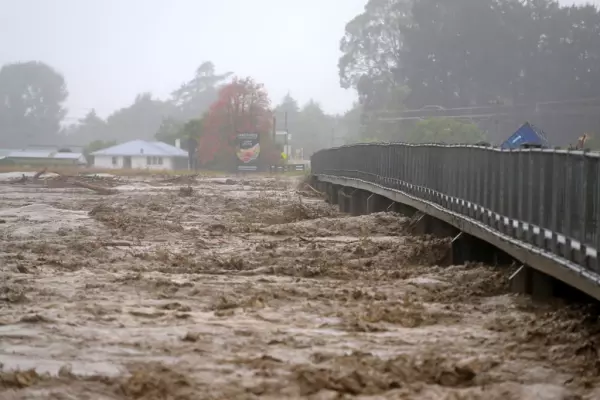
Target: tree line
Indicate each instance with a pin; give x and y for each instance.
(33, 112)
(533, 55)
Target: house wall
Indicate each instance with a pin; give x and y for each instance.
(106, 162)
(137, 162)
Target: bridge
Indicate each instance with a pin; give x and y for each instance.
(540, 207)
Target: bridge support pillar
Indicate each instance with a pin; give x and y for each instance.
(376, 203)
(343, 200)
(426, 225)
(331, 194)
(358, 202)
(403, 209)
(466, 248)
(531, 281)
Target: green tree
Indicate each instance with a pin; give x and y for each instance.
(445, 130)
(371, 61)
(171, 130)
(194, 97)
(32, 96)
(96, 145)
(89, 129)
(288, 108)
(349, 126)
(315, 129)
(141, 120)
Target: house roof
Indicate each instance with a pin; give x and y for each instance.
(142, 147)
(30, 154)
(68, 156)
(8, 154)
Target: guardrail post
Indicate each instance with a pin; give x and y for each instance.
(521, 193)
(553, 242)
(596, 215)
(582, 258)
(567, 216)
(502, 191)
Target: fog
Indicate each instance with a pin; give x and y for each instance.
(122, 60)
(111, 50)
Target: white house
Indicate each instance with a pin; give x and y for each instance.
(142, 154)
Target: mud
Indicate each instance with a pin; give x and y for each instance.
(198, 288)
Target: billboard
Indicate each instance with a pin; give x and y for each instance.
(247, 151)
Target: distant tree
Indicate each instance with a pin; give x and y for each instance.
(460, 53)
(315, 129)
(445, 130)
(88, 129)
(96, 145)
(32, 96)
(141, 120)
(170, 130)
(350, 124)
(242, 106)
(188, 133)
(371, 61)
(194, 97)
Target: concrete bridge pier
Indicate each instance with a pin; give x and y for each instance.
(343, 200)
(331, 193)
(377, 203)
(424, 224)
(468, 248)
(358, 202)
(402, 209)
(527, 280)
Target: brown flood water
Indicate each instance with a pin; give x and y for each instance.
(244, 291)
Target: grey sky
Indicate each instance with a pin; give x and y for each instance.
(111, 50)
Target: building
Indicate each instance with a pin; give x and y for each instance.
(141, 154)
(38, 157)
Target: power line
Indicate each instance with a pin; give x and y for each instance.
(536, 105)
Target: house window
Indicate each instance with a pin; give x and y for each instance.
(114, 161)
(153, 160)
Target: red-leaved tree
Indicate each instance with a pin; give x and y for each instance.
(242, 107)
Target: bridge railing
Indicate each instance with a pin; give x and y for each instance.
(548, 198)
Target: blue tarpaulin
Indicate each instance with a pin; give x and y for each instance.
(526, 134)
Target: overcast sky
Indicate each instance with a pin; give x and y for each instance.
(111, 50)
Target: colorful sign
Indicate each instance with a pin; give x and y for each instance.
(247, 151)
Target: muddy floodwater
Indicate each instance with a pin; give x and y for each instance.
(253, 289)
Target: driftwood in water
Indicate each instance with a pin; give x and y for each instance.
(40, 173)
(96, 188)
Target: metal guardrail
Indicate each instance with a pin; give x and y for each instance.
(545, 197)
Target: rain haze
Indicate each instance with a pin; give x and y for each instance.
(116, 54)
(318, 199)
(111, 50)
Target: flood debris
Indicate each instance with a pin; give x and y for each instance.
(186, 191)
(60, 180)
(251, 290)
